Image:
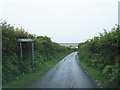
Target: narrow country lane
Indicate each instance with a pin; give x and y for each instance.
(65, 74)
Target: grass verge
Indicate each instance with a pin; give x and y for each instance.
(97, 75)
(27, 80)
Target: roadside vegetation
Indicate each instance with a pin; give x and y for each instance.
(19, 73)
(100, 56)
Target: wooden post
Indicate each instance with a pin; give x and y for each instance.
(21, 51)
(33, 54)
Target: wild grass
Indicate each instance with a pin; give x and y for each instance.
(97, 75)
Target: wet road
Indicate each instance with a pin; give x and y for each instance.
(65, 74)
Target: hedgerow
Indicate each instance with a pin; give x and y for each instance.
(102, 53)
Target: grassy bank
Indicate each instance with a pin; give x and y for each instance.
(97, 75)
(26, 80)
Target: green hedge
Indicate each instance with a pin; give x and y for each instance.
(102, 53)
(12, 66)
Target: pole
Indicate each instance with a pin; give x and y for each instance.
(33, 54)
(21, 51)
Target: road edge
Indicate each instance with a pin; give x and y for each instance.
(87, 73)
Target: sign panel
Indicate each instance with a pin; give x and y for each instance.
(25, 40)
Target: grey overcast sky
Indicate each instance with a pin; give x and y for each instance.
(62, 20)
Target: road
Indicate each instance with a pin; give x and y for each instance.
(65, 74)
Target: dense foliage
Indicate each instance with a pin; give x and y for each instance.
(102, 53)
(12, 66)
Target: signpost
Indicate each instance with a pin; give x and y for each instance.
(21, 40)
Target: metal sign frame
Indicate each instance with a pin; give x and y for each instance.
(21, 40)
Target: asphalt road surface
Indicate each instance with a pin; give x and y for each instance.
(65, 74)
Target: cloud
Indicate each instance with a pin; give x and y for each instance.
(58, 1)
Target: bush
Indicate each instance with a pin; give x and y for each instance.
(13, 67)
(102, 53)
